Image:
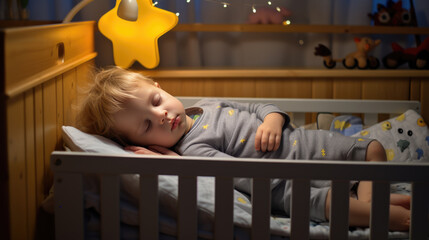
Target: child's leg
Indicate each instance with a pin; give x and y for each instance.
(360, 211)
(375, 153)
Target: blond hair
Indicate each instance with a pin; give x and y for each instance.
(106, 96)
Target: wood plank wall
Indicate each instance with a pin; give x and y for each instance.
(34, 120)
(393, 88)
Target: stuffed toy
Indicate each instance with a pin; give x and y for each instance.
(359, 58)
(269, 16)
(417, 57)
(393, 14)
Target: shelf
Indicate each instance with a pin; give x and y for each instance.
(284, 73)
(298, 28)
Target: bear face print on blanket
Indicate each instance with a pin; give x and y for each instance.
(405, 137)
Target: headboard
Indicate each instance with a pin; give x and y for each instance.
(42, 68)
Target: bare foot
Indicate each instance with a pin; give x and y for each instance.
(400, 200)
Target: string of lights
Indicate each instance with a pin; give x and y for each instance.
(253, 6)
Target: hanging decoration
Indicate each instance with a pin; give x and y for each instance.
(137, 40)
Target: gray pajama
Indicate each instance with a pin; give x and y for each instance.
(227, 129)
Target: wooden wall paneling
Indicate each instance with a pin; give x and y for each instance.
(284, 87)
(183, 86)
(69, 96)
(415, 89)
(321, 88)
(347, 88)
(17, 165)
(40, 150)
(59, 110)
(30, 158)
(49, 128)
(84, 76)
(424, 98)
(227, 87)
(386, 88)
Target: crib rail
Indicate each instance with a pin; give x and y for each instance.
(69, 167)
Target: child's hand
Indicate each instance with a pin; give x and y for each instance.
(152, 150)
(269, 133)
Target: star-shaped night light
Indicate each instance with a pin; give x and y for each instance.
(137, 40)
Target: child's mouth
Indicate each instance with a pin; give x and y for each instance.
(175, 123)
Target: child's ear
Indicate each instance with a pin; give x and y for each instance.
(157, 85)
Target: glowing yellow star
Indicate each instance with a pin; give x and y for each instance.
(206, 126)
(242, 140)
(323, 152)
(231, 112)
(137, 40)
(294, 143)
(361, 139)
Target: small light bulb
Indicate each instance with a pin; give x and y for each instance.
(269, 3)
(278, 9)
(188, 1)
(253, 9)
(155, 3)
(301, 42)
(225, 5)
(177, 14)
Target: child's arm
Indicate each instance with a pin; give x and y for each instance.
(152, 150)
(269, 133)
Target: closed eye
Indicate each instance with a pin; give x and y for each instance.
(156, 100)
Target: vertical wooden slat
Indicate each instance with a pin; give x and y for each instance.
(69, 217)
(261, 208)
(370, 119)
(339, 215)
(60, 110)
(380, 204)
(40, 150)
(148, 207)
(49, 129)
(30, 162)
(224, 213)
(69, 97)
(300, 209)
(16, 163)
(187, 219)
(109, 206)
(419, 211)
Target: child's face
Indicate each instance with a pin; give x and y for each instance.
(154, 117)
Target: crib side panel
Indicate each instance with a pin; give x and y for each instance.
(33, 130)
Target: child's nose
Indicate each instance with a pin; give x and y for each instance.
(163, 116)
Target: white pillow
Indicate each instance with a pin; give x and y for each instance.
(79, 141)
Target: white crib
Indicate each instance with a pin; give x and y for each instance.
(69, 167)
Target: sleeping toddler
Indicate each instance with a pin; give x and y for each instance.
(136, 112)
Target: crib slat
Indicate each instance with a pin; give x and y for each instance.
(261, 208)
(419, 211)
(187, 219)
(300, 209)
(148, 207)
(380, 210)
(339, 215)
(370, 119)
(109, 206)
(69, 206)
(224, 208)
